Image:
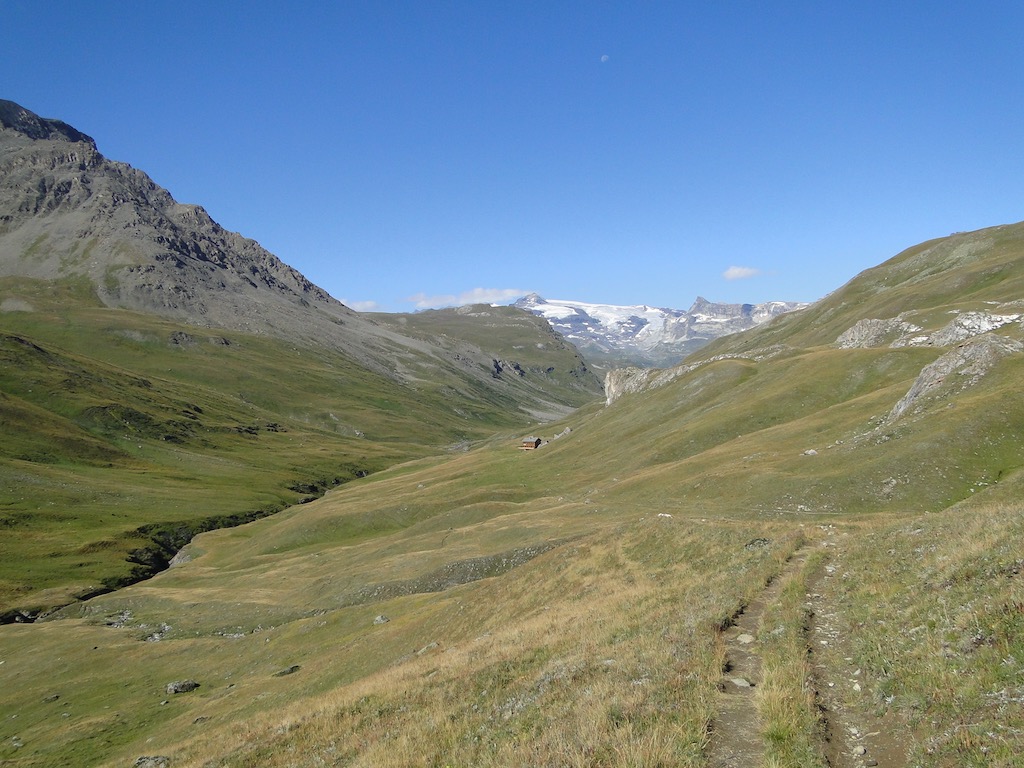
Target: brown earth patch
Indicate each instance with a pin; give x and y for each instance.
(856, 736)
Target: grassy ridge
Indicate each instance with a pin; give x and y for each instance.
(963, 272)
(525, 353)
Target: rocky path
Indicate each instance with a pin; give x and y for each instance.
(851, 737)
(736, 740)
(854, 736)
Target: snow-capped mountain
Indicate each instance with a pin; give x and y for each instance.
(610, 335)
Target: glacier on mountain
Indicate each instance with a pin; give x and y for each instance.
(612, 335)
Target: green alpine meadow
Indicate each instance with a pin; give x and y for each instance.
(244, 525)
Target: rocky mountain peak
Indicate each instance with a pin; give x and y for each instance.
(701, 307)
(530, 300)
(66, 211)
(15, 117)
(642, 335)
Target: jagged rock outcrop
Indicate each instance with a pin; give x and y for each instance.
(871, 332)
(621, 381)
(976, 349)
(968, 325)
(897, 332)
(181, 686)
(498, 367)
(957, 370)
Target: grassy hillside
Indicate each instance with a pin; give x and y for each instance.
(561, 630)
(519, 349)
(847, 512)
(115, 421)
(963, 272)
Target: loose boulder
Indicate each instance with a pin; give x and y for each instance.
(182, 686)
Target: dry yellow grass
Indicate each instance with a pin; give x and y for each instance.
(604, 652)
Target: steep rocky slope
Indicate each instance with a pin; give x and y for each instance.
(69, 213)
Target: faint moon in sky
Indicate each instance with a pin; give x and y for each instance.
(604, 58)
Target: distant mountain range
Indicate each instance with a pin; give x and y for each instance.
(610, 335)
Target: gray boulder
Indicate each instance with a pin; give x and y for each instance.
(182, 686)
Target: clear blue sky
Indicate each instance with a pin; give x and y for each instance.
(405, 154)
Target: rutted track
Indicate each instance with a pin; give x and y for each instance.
(854, 737)
(736, 740)
(846, 737)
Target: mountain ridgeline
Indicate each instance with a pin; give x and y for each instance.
(137, 335)
(615, 336)
(69, 213)
(644, 590)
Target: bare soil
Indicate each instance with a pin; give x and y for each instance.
(856, 737)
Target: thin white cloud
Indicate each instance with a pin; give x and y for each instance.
(361, 306)
(740, 273)
(475, 296)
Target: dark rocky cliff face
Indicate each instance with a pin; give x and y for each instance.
(65, 210)
(19, 119)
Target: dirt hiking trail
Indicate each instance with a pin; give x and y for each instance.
(848, 737)
(855, 737)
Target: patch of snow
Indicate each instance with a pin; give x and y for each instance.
(644, 330)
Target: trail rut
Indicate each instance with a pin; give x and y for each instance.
(736, 740)
(854, 736)
(849, 737)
